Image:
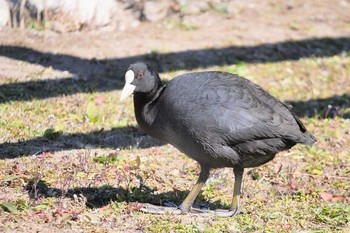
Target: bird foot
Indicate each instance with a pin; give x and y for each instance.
(195, 210)
(170, 208)
(226, 213)
(154, 209)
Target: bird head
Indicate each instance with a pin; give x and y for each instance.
(139, 78)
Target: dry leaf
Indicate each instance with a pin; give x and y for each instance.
(326, 196)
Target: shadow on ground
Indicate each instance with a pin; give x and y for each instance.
(114, 138)
(134, 137)
(323, 108)
(107, 75)
(98, 197)
(90, 75)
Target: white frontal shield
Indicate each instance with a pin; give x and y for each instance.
(128, 87)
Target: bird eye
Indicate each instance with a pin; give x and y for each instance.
(140, 75)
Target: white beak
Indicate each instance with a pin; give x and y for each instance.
(128, 87)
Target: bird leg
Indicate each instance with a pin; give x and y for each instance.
(186, 204)
(236, 195)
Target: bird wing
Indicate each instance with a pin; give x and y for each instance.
(235, 108)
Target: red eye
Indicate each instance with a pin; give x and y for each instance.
(140, 75)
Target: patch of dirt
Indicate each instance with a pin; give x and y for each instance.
(100, 54)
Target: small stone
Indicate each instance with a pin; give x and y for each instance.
(155, 10)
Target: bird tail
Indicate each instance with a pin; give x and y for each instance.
(308, 139)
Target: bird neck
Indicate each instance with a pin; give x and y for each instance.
(145, 107)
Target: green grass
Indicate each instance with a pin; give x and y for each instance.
(92, 185)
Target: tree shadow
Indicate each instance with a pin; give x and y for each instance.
(91, 75)
(114, 138)
(42, 89)
(323, 108)
(97, 197)
(97, 75)
(134, 137)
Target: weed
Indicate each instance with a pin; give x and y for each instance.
(88, 160)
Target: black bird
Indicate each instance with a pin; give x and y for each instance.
(216, 118)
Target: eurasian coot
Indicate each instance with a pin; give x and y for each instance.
(218, 119)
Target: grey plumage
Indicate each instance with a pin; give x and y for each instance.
(219, 119)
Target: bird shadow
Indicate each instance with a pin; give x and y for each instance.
(114, 138)
(98, 197)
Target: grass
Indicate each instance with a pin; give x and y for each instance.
(79, 163)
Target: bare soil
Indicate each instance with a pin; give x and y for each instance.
(253, 25)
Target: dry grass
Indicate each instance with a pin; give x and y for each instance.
(79, 163)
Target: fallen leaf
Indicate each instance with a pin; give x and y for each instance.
(9, 206)
(105, 207)
(326, 196)
(100, 99)
(338, 199)
(134, 206)
(287, 226)
(138, 161)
